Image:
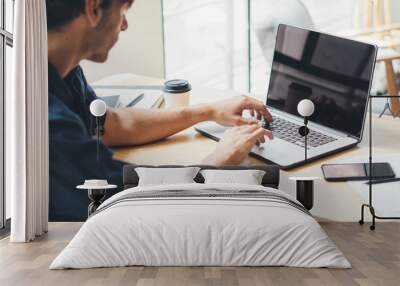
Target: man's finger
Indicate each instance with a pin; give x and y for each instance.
(259, 115)
(260, 138)
(248, 128)
(254, 104)
(261, 132)
(240, 120)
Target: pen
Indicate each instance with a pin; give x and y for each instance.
(136, 100)
(380, 181)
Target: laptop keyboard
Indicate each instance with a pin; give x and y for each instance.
(289, 132)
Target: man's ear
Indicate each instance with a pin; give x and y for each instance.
(93, 12)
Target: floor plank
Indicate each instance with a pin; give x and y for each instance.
(375, 257)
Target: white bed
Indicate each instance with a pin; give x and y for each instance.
(242, 228)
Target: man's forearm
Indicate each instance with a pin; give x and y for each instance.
(127, 126)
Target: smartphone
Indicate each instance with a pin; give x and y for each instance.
(356, 171)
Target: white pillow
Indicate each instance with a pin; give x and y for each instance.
(165, 176)
(248, 177)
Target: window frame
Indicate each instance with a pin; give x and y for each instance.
(6, 39)
(229, 61)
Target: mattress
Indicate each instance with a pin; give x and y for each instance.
(201, 225)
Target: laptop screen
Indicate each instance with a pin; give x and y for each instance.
(333, 72)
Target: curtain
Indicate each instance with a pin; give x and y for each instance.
(27, 124)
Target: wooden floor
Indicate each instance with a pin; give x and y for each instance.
(375, 257)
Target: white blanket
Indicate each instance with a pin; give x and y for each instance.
(212, 230)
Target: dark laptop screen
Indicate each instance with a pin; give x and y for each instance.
(333, 72)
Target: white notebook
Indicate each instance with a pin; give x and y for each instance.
(115, 97)
(151, 99)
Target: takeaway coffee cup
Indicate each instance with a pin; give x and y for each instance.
(177, 93)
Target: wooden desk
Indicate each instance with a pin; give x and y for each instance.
(187, 147)
(333, 201)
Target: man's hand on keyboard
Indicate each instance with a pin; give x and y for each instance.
(237, 143)
(229, 112)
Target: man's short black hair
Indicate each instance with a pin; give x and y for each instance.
(61, 12)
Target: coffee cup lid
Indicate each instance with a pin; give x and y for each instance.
(177, 86)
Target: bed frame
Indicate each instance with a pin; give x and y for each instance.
(270, 179)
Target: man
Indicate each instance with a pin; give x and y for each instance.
(88, 29)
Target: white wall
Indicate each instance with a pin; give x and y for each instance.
(140, 49)
(396, 11)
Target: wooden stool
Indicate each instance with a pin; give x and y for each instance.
(391, 82)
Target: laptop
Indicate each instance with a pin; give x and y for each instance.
(333, 72)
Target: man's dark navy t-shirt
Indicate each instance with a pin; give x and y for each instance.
(73, 150)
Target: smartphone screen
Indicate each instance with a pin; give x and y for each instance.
(380, 170)
(344, 171)
(356, 171)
